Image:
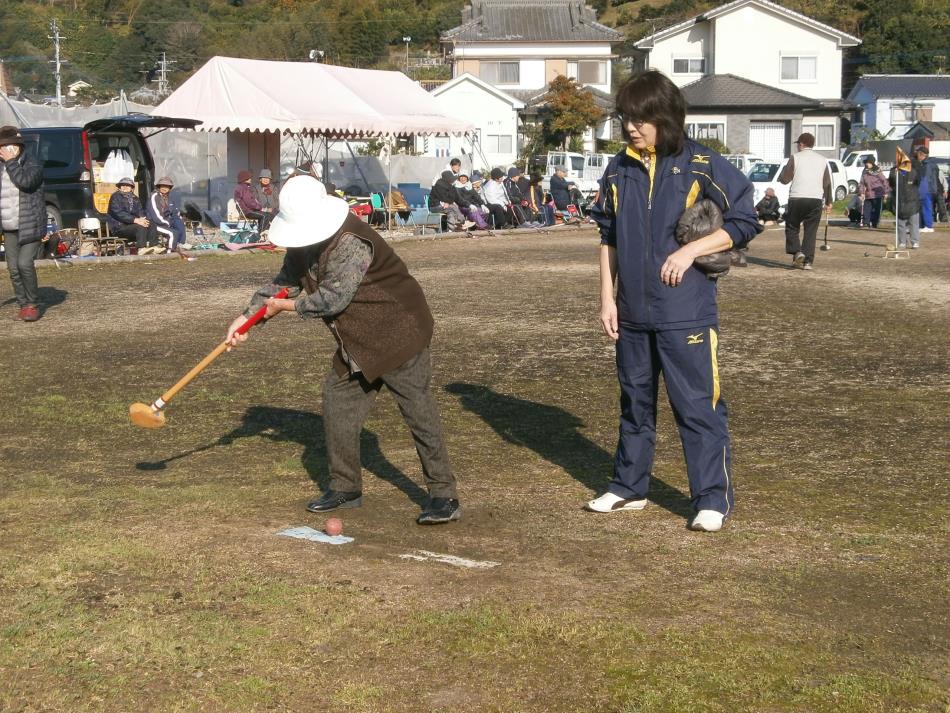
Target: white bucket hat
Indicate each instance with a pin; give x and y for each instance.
(307, 215)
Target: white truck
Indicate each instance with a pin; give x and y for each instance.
(584, 170)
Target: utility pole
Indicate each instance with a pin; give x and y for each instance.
(56, 37)
(163, 74)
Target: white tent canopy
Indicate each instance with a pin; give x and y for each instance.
(305, 97)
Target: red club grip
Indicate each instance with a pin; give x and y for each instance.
(259, 315)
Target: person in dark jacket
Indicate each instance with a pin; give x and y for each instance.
(265, 192)
(341, 271)
(22, 218)
(664, 318)
(559, 189)
(470, 202)
(904, 181)
(538, 202)
(932, 191)
(444, 198)
(126, 216)
(164, 214)
(248, 203)
(873, 189)
(768, 208)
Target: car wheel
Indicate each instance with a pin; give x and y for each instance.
(841, 193)
(852, 186)
(52, 213)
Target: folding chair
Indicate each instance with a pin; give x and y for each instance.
(96, 239)
(238, 224)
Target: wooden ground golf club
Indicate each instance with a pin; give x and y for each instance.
(145, 416)
(826, 246)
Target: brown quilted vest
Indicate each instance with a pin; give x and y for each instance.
(388, 320)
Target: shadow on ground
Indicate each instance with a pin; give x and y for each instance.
(555, 435)
(306, 429)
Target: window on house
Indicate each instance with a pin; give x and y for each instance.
(689, 65)
(500, 72)
(588, 71)
(909, 113)
(700, 131)
(800, 69)
(497, 143)
(824, 134)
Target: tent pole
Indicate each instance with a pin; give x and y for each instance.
(389, 197)
(326, 158)
(358, 168)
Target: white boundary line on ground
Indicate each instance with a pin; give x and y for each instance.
(424, 555)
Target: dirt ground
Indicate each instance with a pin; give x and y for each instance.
(141, 570)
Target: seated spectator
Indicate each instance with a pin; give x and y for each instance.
(248, 203)
(266, 193)
(560, 194)
(471, 202)
(444, 198)
(164, 214)
(517, 198)
(496, 198)
(768, 208)
(126, 217)
(539, 202)
(455, 166)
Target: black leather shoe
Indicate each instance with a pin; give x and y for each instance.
(439, 510)
(333, 499)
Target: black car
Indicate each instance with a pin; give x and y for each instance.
(73, 158)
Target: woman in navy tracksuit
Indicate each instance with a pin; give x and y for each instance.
(664, 317)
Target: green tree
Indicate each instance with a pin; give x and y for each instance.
(569, 111)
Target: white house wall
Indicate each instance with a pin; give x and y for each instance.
(532, 59)
(692, 43)
(877, 113)
(532, 73)
(750, 43)
(489, 113)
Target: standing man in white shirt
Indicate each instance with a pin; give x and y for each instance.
(807, 171)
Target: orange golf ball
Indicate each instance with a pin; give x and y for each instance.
(333, 527)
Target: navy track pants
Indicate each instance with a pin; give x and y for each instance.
(687, 359)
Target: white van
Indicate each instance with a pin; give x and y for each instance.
(742, 161)
(584, 170)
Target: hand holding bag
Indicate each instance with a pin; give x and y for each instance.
(699, 220)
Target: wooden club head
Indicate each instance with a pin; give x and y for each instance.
(144, 416)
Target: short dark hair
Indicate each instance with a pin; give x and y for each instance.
(455, 162)
(652, 97)
(807, 140)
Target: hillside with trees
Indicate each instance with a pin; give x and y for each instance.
(116, 44)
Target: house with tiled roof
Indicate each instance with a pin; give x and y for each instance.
(518, 46)
(755, 75)
(892, 103)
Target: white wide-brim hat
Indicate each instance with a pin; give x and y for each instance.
(307, 215)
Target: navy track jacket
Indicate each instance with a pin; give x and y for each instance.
(637, 215)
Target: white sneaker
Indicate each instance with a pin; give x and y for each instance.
(608, 502)
(926, 230)
(707, 521)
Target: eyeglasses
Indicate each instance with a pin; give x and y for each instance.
(636, 122)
